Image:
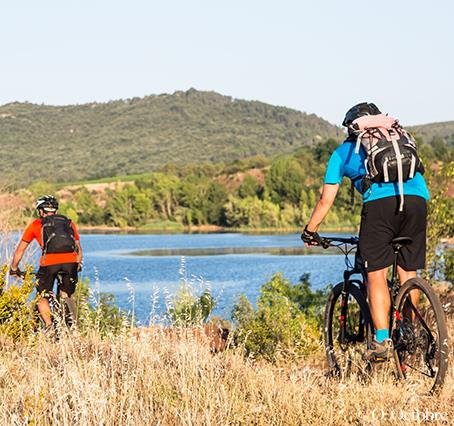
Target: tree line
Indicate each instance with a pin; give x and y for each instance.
(280, 194)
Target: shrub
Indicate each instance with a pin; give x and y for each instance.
(286, 323)
(190, 306)
(188, 309)
(440, 221)
(17, 314)
(98, 313)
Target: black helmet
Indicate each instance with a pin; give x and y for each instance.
(359, 110)
(47, 203)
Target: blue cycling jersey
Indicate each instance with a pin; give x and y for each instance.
(345, 162)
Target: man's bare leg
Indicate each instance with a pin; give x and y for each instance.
(379, 300)
(44, 310)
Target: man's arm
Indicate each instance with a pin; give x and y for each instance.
(80, 255)
(19, 254)
(322, 207)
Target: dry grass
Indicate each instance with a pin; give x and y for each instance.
(156, 380)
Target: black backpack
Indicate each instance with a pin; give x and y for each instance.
(58, 234)
(390, 150)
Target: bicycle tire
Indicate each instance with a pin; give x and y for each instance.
(338, 359)
(442, 341)
(69, 311)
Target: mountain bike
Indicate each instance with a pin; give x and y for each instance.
(63, 309)
(417, 323)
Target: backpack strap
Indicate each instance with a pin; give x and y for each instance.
(44, 224)
(352, 190)
(358, 140)
(400, 171)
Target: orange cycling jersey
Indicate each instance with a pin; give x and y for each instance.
(34, 232)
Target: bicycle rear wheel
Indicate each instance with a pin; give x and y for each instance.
(347, 331)
(421, 337)
(69, 311)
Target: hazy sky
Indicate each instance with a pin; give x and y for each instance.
(315, 56)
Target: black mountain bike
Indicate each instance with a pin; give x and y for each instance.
(63, 309)
(417, 323)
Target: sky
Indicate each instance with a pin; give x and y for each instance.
(315, 56)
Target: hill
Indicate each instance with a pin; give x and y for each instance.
(96, 140)
(429, 132)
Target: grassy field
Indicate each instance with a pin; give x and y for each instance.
(157, 379)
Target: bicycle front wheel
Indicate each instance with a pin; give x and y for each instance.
(421, 336)
(347, 331)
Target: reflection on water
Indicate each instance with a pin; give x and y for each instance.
(276, 251)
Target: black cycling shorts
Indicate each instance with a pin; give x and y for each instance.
(47, 274)
(381, 221)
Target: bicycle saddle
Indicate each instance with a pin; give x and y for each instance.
(401, 241)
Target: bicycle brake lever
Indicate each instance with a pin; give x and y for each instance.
(325, 243)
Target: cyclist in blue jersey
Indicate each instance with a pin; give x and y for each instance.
(381, 221)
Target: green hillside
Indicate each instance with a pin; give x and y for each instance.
(431, 132)
(96, 140)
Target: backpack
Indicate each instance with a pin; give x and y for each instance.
(58, 234)
(391, 154)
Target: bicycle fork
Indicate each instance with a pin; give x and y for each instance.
(343, 316)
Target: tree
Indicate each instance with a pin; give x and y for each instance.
(323, 151)
(249, 187)
(162, 191)
(285, 180)
(127, 206)
(88, 210)
(213, 203)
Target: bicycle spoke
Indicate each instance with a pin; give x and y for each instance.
(420, 318)
(419, 371)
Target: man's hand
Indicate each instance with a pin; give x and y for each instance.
(310, 238)
(16, 273)
(80, 265)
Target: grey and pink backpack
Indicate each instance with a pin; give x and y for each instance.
(391, 154)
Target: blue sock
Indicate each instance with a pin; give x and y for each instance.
(381, 335)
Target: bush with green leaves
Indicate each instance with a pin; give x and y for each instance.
(287, 321)
(17, 314)
(188, 309)
(440, 223)
(98, 312)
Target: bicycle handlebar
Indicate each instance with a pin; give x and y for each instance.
(17, 273)
(326, 242)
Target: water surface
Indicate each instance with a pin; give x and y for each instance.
(151, 266)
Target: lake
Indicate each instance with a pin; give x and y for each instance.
(143, 271)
